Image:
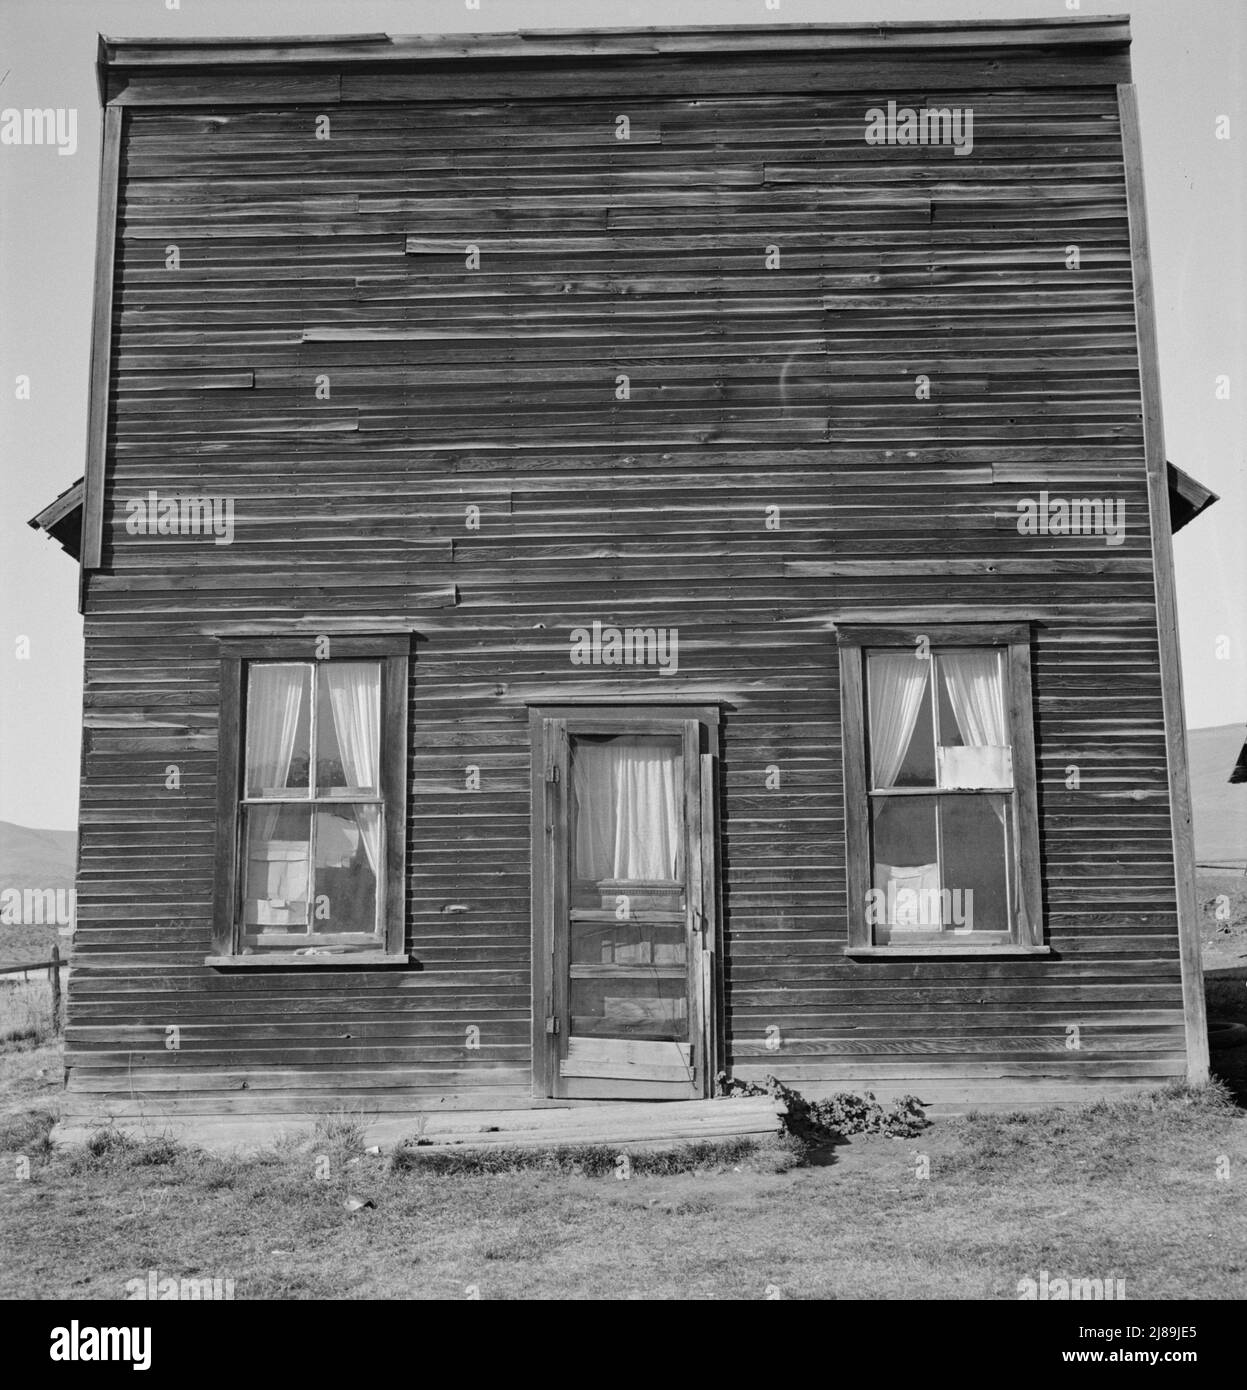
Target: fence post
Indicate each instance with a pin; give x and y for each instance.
(54, 976)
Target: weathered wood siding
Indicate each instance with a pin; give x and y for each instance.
(750, 388)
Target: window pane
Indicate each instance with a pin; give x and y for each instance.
(904, 892)
(627, 943)
(902, 736)
(627, 831)
(976, 835)
(348, 858)
(948, 734)
(278, 726)
(929, 887)
(277, 874)
(348, 728)
(973, 746)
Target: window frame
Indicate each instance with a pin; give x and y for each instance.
(393, 652)
(853, 640)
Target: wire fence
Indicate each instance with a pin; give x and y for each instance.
(31, 1008)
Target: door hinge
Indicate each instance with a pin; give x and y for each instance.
(553, 774)
(552, 1025)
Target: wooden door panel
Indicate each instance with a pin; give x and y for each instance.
(627, 1059)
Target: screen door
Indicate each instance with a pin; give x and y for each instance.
(625, 894)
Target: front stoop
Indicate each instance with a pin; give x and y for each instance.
(628, 1124)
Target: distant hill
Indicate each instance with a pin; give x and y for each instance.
(34, 859)
(1220, 809)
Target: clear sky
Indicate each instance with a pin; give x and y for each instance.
(1190, 67)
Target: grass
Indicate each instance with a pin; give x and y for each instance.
(25, 1009)
(1222, 899)
(30, 1062)
(600, 1160)
(1126, 1190)
(27, 1132)
(1131, 1190)
(33, 941)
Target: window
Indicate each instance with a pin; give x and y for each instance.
(940, 789)
(311, 834)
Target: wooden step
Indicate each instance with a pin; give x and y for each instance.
(627, 1124)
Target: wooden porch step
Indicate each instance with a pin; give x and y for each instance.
(625, 1123)
(615, 1122)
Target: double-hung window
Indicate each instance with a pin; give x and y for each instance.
(940, 789)
(311, 834)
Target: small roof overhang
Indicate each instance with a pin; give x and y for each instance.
(1187, 498)
(62, 519)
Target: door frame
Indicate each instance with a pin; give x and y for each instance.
(548, 726)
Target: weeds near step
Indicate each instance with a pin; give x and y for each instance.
(833, 1118)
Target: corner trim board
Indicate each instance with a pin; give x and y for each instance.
(1166, 594)
(101, 342)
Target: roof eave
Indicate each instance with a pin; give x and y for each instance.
(1187, 497)
(378, 48)
(61, 519)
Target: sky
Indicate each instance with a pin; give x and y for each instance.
(1190, 67)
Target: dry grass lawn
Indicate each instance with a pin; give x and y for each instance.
(1153, 1192)
(1129, 1192)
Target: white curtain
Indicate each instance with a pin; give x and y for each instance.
(628, 809)
(274, 702)
(974, 683)
(274, 705)
(354, 690)
(897, 682)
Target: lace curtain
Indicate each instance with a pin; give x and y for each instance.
(354, 691)
(628, 809)
(898, 683)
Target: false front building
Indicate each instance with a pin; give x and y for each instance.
(610, 559)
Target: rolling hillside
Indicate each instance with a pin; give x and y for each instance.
(34, 859)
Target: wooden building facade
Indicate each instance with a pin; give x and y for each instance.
(613, 558)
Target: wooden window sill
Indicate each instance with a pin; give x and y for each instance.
(330, 961)
(944, 952)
